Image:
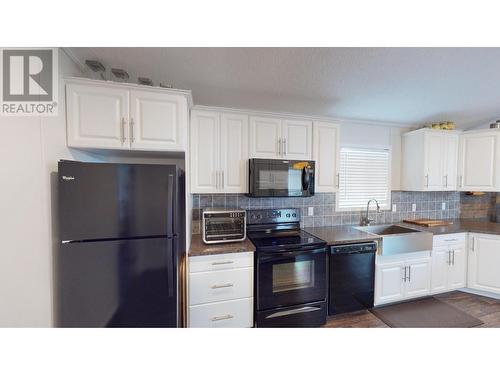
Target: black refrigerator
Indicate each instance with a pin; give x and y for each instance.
(121, 245)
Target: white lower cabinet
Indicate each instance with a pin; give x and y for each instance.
(230, 314)
(484, 262)
(398, 278)
(449, 263)
(221, 290)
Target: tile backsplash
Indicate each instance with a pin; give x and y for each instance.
(428, 205)
(479, 206)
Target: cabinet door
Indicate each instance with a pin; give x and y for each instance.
(450, 162)
(419, 278)
(205, 130)
(434, 156)
(440, 267)
(265, 138)
(326, 154)
(234, 153)
(457, 275)
(97, 117)
(484, 263)
(158, 121)
(477, 162)
(297, 139)
(389, 285)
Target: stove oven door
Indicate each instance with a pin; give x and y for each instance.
(291, 278)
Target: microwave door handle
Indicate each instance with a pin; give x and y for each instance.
(306, 178)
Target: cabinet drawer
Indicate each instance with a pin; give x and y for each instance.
(449, 239)
(206, 287)
(217, 262)
(229, 314)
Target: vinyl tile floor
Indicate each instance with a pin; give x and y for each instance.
(484, 308)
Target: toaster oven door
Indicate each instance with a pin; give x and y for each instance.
(223, 228)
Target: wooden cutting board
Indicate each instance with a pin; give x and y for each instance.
(428, 222)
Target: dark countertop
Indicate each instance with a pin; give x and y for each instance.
(198, 247)
(340, 234)
(461, 226)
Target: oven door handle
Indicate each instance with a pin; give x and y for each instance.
(300, 310)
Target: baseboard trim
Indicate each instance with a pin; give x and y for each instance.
(480, 293)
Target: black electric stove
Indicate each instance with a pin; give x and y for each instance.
(290, 270)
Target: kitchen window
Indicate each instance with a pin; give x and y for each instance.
(364, 175)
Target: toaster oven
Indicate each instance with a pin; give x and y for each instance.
(223, 225)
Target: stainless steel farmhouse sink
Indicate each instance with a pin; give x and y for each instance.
(397, 239)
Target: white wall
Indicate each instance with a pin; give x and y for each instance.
(29, 150)
(376, 136)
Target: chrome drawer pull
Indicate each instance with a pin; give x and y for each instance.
(225, 262)
(228, 285)
(223, 317)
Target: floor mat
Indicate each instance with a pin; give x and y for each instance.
(425, 313)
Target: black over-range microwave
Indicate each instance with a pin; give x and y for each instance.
(281, 178)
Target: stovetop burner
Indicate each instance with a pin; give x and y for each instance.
(300, 239)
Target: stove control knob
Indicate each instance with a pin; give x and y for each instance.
(294, 215)
(287, 215)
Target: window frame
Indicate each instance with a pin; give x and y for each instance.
(389, 179)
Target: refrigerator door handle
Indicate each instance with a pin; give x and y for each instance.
(171, 203)
(170, 265)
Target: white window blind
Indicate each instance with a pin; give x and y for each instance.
(364, 175)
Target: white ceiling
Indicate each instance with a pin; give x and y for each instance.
(397, 85)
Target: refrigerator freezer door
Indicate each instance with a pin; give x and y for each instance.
(115, 201)
(128, 283)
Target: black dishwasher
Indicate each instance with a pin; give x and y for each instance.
(352, 277)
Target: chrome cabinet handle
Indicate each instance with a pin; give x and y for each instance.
(460, 181)
(338, 180)
(409, 273)
(284, 146)
(123, 129)
(426, 180)
(216, 180)
(228, 285)
(279, 146)
(131, 130)
(224, 262)
(446, 181)
(472, 247)
(404, 278)
(222, 179)
(223, 317)
(453, 257)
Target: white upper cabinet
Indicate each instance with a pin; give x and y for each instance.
(479, 161)
(219, 152)
(275, 138)
(158, 121)
(265, 138)
(297, 139)
(204, 151)
(326, 154)
(109, 115)
(97, 116)
(234, 152)
(429, 160)
(450, 162)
